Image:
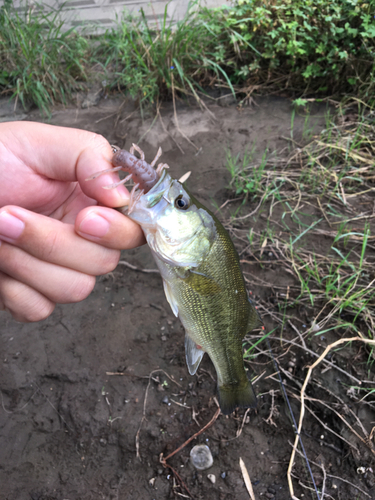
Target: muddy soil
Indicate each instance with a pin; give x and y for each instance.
(75, 387)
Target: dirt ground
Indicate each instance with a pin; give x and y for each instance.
(74, 388)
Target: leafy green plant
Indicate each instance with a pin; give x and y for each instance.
(308, 46)
(39, 61)
(313, 45)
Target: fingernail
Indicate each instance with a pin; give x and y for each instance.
(124, 193)
(121, 190)
(11, 228)
(94, 225)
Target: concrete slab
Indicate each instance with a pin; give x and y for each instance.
(99, 15)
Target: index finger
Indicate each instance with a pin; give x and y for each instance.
(66, 154)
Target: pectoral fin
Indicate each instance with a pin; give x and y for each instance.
(254, 318)
(169, 296)
(202, 284)
(193, 355)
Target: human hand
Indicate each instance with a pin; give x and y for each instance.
(54, 238)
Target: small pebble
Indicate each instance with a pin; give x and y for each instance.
(212, 478)
(165, 400)
(314, 327)
(223, 475)
(271, 490)
(269, 495)
(201, 457)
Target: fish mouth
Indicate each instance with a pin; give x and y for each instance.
(157, 192)
(145, 208)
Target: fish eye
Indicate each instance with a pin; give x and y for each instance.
(182, 202)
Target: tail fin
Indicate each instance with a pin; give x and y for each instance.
(232, 396)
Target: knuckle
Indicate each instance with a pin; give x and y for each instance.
(38, 311)
(24, 303)
(80, 289)
(108, 261)
(51, 244)
(98, 141)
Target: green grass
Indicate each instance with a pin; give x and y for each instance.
(249, 348)
(253, 179)
(305, 46)
(316, 206)
(356, 392)
(155, 63)
(40, 63)
(341, 280)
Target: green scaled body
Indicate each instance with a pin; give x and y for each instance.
(203, 284)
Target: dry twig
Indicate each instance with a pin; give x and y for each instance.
(135, 268)
(246, 479)
(274, 412)
(335, 477)
(144, 407)
(163, 460)
(302, 396)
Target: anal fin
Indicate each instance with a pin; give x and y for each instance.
(193, 355)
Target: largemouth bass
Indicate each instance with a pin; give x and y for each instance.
(201, 274)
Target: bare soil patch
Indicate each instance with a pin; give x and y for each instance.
(73, 387)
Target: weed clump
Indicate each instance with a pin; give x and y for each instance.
(310, 46)
(306, 47)
(319, 223)
(152, 63)
(40, 63)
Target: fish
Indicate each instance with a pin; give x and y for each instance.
(201, 274)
